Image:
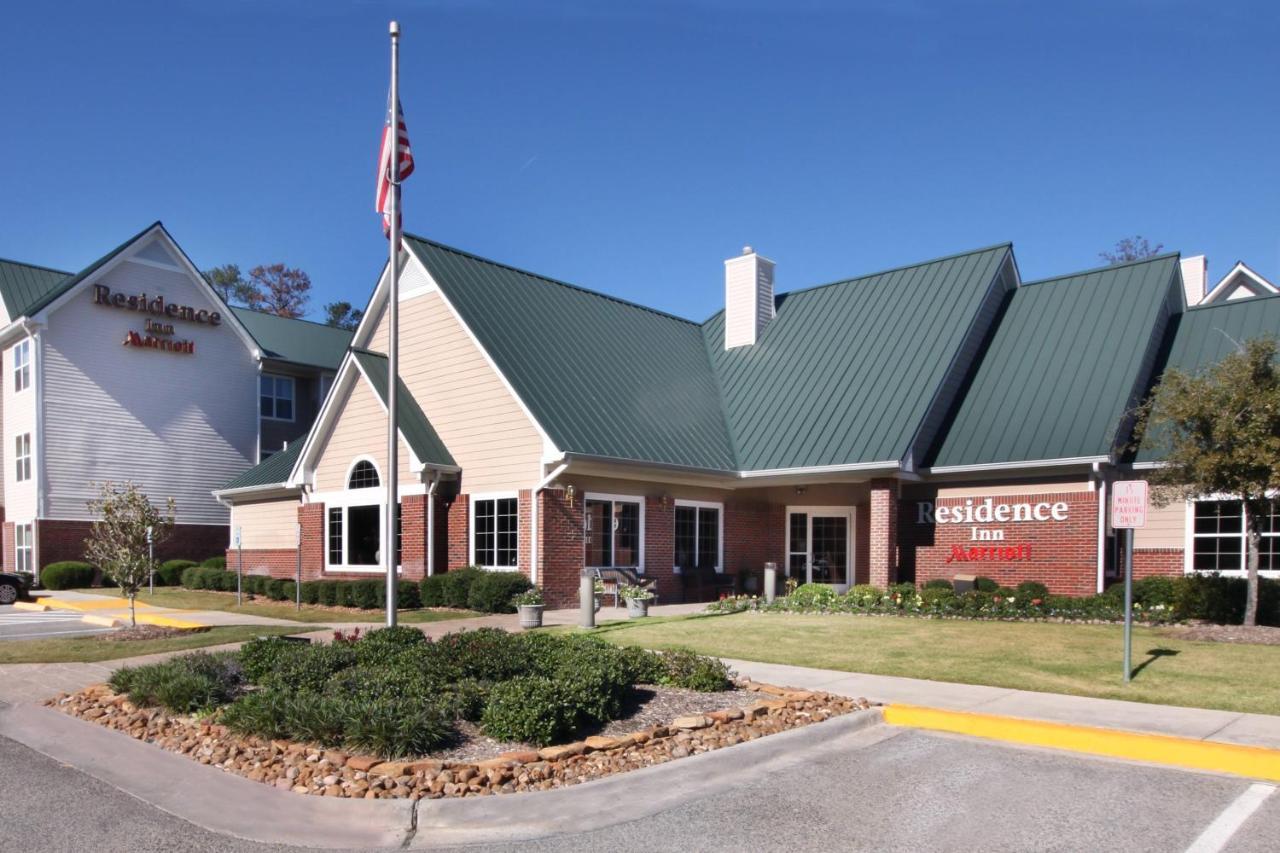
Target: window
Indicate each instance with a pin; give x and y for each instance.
(275, 397)
(495, 536)
(22, 365)
(697, 536)
(613, 532)
(22, 456)
(364, 535)
(363, 476)
(1220, 538)
(23, 543)
(335, 536)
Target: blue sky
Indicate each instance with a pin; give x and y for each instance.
(631, 147)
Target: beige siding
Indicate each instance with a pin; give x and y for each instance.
(361, 430)
(179, 425)
(1166, 527)
(477, 417)
(266, 524)
(19, 416)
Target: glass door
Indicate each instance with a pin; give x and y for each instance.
(819, 545)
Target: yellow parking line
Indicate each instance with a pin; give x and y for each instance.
(1251, 761)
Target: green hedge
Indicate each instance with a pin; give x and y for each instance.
(492, 591)
(215, 563)
(169, 573)
(68, 574)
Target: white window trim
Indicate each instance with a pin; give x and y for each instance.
(344, 500)
(19, 457)
(1190, 536)
(719, 534)
(28, 546)
(826, 511)
(24, 369)
(293, 397)
(629, 499)
(471, 530)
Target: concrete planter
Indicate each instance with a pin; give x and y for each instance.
(530, 615)
(637, 608)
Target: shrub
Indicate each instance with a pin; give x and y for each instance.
(938, 583)
(328, 596)
(311, 669)
(492, 592)
(69, 574)
(487, 654)
(366, 595)
(594, 688)
(1031, 590)
(170, 572)
(985, 584)
(815, 596)
(320, 719)
(383, 645)
(261, 656)
(311, 592)
(1155, 590)
(262, 713)
(937, 598)
(694, 672)
(431, 591)
(642, 665)
(396, 729)
(185, 684)
(215, 563)
(531, 709)
(457, 586)
(408, 596)
(902, 592)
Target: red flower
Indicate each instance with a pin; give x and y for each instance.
(1037, 602)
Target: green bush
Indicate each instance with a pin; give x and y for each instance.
(68, 574)
(1155, 590)
(1030, 590)
(397, 729)
(366, 594)
(310, 670)
(937, 583)
(311, 592)
(694, 672)
(486, 654)
(215, 563)
(263, 713)
(642, 665)
(328, 596)
(985, 584)
(902, 593)
(260, 657)
(815, 596)
(492, 591)
(457, 586)
(530, 709)
(431, 591)
(382, 646)
(170, 572)
(186, 684)
(937, 598)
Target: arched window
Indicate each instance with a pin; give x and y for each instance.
(363, 476)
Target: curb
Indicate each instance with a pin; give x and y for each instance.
(32, 606)
(141, 613)
(100, 621)
(1253, 762)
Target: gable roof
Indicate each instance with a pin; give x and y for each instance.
(413, 425)
(603, 377)
(846, 372)
(1245, 276)
(24, 284)
(296, 340)
(1062, 366)
(272, 471)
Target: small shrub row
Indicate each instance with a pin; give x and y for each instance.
(184, 685)
(474, 589)
(69, 574)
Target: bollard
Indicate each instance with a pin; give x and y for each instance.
(770, 582)
(587, 600)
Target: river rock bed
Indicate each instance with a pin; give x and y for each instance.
(308, 769)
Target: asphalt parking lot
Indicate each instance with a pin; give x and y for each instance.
(29, 625)
(907, 791)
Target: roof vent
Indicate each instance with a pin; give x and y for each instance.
(748, 297)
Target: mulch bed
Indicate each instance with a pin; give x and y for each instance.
(1257, 634)
(750, 712)
(147, 632)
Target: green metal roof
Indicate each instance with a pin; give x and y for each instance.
(1062, 366)
(414, 426)
(272, 471)
(602, 376)
(297, 341)
(23, 284)
(1206, 334)
(845, 373)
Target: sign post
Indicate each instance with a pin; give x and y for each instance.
(1128, 512)
(297, 583)
(151, 560)
(239, 570)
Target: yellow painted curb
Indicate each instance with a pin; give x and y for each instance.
(104, 604)
(166, 621)
(1252, 761)
(33, 606)
(100, 621)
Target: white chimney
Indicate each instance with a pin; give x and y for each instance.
(1195, 274)
(748, 298)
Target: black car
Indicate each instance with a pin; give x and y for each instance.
(13, 587)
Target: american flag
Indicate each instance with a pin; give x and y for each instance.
(385, 177)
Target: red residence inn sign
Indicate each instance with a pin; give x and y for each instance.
(1129, 504)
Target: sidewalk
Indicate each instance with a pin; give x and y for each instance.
(109, 610)
(1193, 723)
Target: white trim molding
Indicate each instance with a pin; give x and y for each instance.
(612, 499)
(471, 528)
(691, 504)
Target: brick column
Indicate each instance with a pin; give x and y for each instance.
(660, 548)
(311, 517)
(457, 521)
(561, 549)
(524, 527)
(413, 536)
(882, 539)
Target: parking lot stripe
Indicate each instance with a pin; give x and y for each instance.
(1217, 834)
(1250, 761)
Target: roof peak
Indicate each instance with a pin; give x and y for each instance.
(1104, 268)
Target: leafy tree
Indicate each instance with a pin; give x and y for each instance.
(285, 290)
(117, 542)
(342, 315)
(228, 281)
(1131, 249)
(1222, 431)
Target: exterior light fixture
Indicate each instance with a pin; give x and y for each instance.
(568, 494)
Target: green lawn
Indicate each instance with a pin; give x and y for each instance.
(195, 599)
(91, 649)
(1083, 660)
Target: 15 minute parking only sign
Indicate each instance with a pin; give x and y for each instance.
(1129, 504)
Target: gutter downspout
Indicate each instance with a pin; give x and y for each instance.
(431, 524)
(533, 546)
(1102, 525)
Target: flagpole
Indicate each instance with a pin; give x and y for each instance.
(393, 337)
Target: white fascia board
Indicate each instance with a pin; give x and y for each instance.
(855, 468)
(22, 327)
(1013, 466)
(263, 492)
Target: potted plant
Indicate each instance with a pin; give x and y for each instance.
(637, 598)
(530, 604)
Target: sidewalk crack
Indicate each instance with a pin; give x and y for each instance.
(413, 824)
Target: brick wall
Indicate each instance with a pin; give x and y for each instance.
(561, 548)
(64, 540)
(882, 533)
(456, 545)
(413, 537)
(660, 548)
(862, 543)
(1157, 561)
(524, 524)
(754, 534)
(1060, 554)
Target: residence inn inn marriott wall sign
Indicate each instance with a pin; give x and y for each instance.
(156, 333)
(980, 517)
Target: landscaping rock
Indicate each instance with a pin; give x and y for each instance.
(696, 721)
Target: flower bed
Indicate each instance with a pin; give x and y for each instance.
(310, 769)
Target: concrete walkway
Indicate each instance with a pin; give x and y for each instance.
(108, 609)
(1195, 723)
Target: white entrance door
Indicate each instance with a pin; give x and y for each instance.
(820, 545)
